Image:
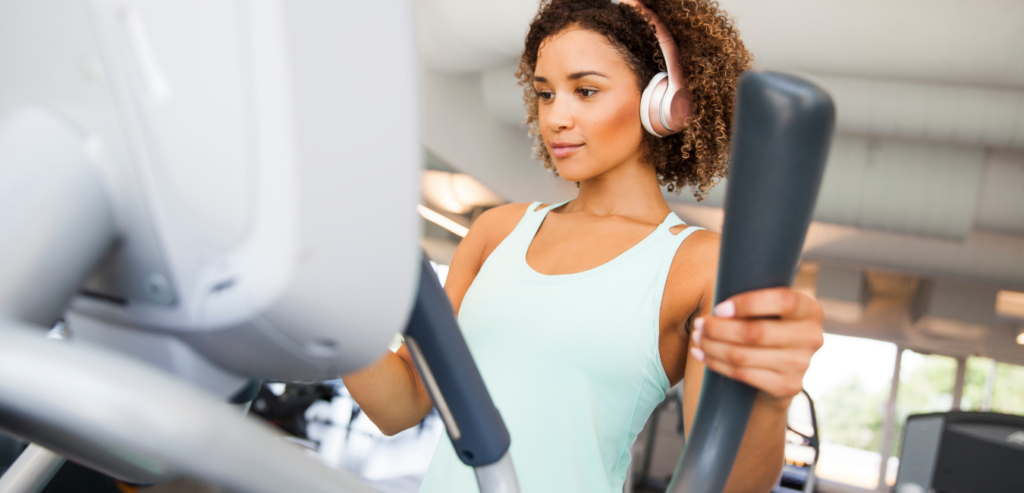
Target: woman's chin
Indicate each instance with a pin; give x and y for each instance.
(573, 177)
(574, 171)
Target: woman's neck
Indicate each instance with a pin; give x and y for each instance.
(630, 189)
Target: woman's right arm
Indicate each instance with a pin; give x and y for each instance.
(390, 391)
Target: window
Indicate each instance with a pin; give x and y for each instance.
(991, 386)
(926, 386)
(1008, 389)
(441, 270)
(849, 380)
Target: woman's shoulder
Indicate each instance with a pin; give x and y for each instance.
(491, 228)
(485, 234)
(500, 220)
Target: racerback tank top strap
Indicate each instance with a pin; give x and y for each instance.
(670, 254)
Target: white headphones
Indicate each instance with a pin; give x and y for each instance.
(665, 104)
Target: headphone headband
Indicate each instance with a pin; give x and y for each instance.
(667, 114)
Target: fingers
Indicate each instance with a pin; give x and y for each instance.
(762, 332)
(775, 359)
(783, 303)
(763, 338)
(776, 384)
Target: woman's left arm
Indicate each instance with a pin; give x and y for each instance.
(766, 339)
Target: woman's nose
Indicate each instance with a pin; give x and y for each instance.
(560, 115)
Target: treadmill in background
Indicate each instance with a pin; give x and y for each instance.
(962, 452)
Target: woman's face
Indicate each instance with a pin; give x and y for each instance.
(588, 104)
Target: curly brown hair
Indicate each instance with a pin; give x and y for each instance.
(712, 56)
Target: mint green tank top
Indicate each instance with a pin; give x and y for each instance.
(571, 361)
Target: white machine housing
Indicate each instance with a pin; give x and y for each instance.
(222, 201)
(250, 244)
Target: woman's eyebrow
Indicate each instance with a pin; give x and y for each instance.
(580, 75)
(574, 76)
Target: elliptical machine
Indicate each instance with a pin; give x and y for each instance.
(233, 242)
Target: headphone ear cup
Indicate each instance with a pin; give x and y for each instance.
(666, 100)
(647, 103)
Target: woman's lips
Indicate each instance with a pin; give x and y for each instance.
(560, 150)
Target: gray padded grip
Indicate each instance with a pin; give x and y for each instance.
(783, 127)
(482, 438)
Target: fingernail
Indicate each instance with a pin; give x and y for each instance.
(697, 334)
(697, 353)
(698, 324)
(725, 309)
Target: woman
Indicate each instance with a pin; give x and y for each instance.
(581, 315)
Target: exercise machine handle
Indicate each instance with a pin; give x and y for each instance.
(781, 135)
(451, 377)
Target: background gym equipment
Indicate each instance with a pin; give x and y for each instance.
(659, 446)
(782, 129)
(961, 452)
(798, 476)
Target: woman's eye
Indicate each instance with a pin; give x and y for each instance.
(545, 95)
(585, 92)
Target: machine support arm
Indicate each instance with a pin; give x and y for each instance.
(32, 471)
(783, 128)
(48, 241)
(124, 417)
